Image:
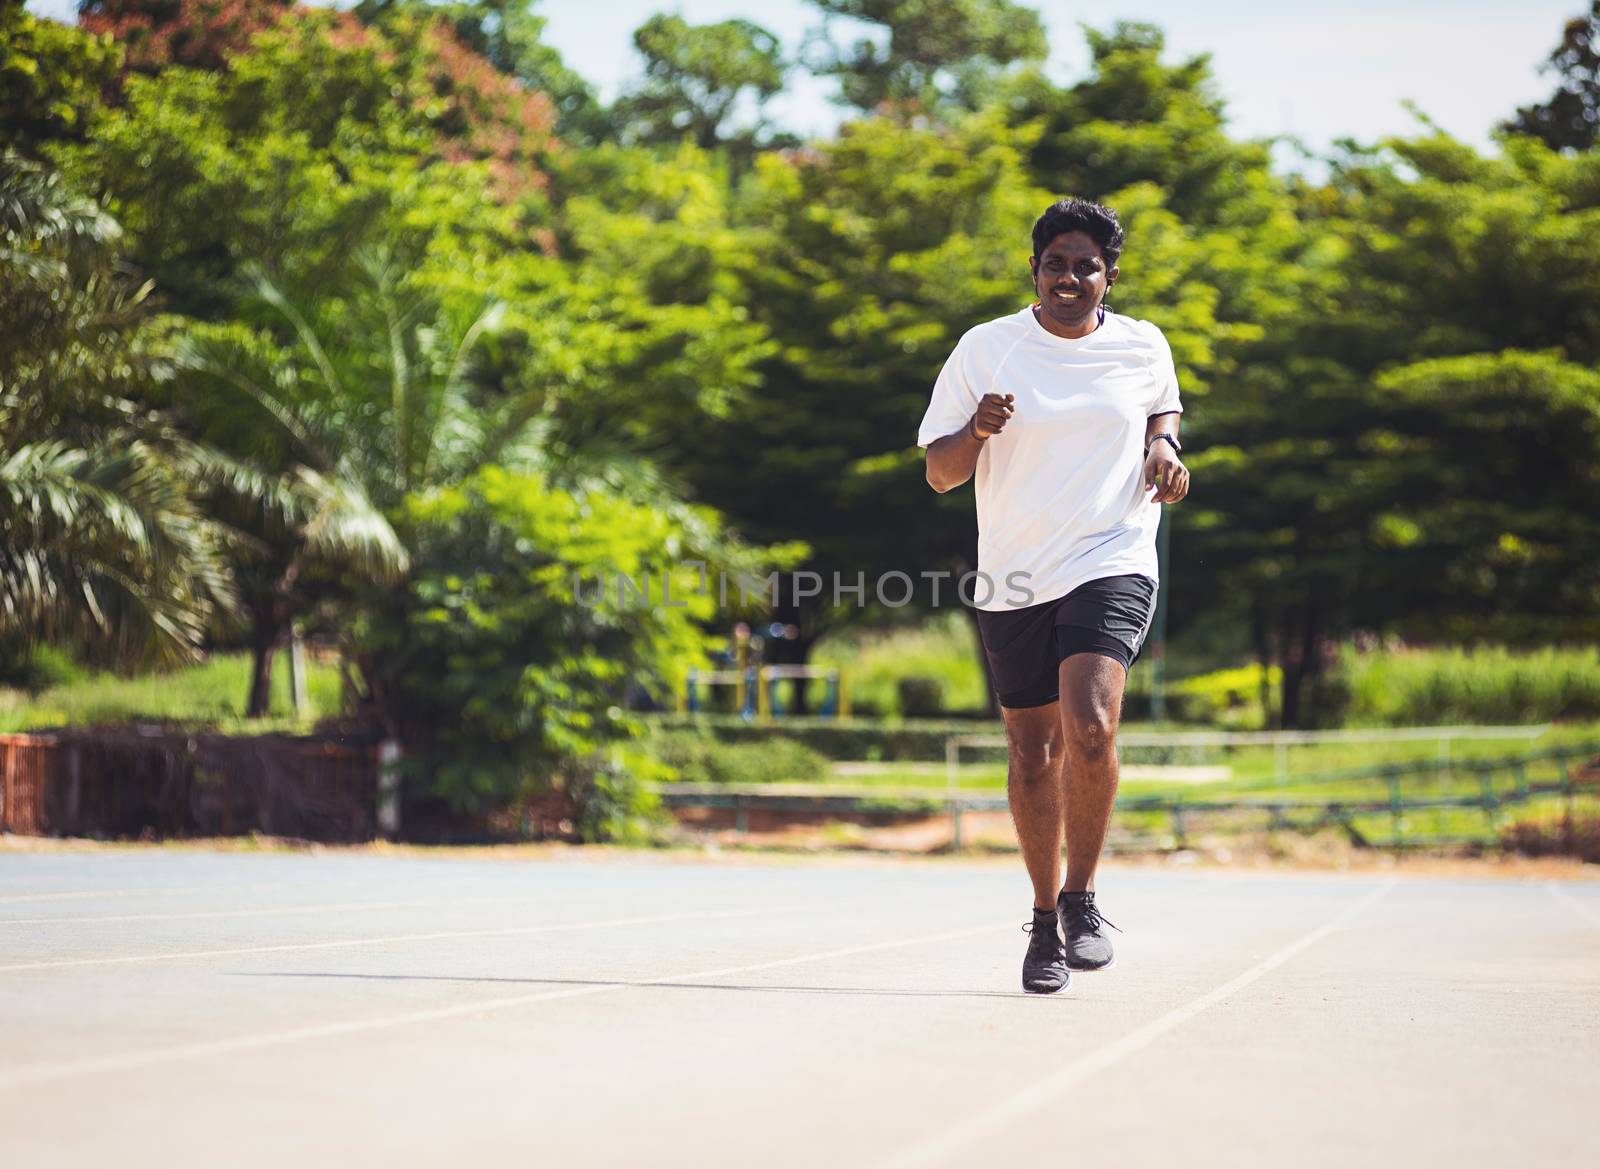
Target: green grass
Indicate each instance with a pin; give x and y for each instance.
(210, 694)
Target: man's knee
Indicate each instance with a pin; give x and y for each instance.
(1035, 757)
(1091, 733)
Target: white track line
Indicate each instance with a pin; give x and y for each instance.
(79, 895)
(510, 931)
(90, 894)
(114, 1063)
(1572, 903)
(334, 907)
(1048, 1091)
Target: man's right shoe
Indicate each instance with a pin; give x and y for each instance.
(1044, 968)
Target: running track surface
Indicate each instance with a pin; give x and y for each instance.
(220, 1010)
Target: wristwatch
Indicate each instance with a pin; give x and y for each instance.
(1163, 438)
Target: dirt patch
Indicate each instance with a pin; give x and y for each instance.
(992, 834)
(916, 841)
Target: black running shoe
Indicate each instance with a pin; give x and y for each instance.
(1087, 947)
(1044, 969)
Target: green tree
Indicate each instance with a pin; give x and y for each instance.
(618, 271)
(321, 138)
(641, 334)
(323, 135)
(1507, 555)
(51, 79)
(1571, 117)
(696, 78)
(1136, 118)
(927, 55)
(1367, 440)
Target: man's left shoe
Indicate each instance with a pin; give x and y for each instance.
(1088, 948)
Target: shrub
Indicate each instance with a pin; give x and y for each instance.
(919, 697)
(38, 667)
(1231, 696)
(611, 801)
(1484, 685)
(500, 680)
(703, 758)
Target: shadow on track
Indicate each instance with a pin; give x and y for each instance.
(647, 985)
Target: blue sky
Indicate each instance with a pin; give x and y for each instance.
(1318, 71)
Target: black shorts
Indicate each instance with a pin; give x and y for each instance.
(1026, 647)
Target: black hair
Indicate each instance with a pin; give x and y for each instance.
(1097, 222)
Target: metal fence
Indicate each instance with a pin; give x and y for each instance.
(1384, 811)
(1279, 741)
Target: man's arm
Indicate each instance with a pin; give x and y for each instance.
(951, 460)
(1166, 423)
(1162, 468)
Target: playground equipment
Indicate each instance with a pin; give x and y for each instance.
(689, 700)
(835, 701)
(757, 690)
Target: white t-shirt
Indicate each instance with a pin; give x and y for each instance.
(1061, 497)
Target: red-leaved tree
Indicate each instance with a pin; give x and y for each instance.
(202, 34)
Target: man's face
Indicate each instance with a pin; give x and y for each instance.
(1070, 278)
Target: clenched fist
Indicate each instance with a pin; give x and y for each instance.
(991, 417)
(1164, 474)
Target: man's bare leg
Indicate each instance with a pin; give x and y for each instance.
(1033, 786)
(1090, 709)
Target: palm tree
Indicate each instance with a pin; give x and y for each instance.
(386, 409)
(103, 538)
(117, 529)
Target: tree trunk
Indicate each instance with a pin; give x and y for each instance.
(263, 651)
(1301, 639)
(269, 621)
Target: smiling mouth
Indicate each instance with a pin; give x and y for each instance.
(1069, 296)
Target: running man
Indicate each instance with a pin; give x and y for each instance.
(1068, 415)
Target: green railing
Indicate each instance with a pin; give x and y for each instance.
(1418, 803)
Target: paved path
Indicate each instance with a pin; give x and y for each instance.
(235, 1010)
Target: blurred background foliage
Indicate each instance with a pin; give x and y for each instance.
(379, 325)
